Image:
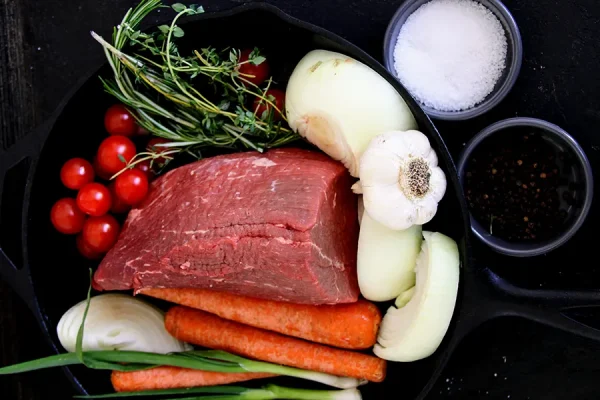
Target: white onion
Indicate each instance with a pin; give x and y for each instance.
(415, 331)
(118, 322)
(386, 259)
(361, 208)
(339, 104)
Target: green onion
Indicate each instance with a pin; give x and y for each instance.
(215, 361)
(241, 393)
(260, 366)
(168, 392)
(207, 360)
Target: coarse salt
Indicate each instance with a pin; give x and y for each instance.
(450, 54)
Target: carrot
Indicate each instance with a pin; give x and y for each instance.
(207, 330)
(173, 377)
(349, 326)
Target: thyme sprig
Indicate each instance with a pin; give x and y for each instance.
(194, 101)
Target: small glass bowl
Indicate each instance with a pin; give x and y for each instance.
(579, 173)
(514, 57)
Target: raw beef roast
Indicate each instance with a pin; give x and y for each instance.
(280, 225)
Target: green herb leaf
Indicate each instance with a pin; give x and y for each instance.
(178, 7)
(122, 159)
(174, 106)
(254, 53)
(258, 60)
(178, 32)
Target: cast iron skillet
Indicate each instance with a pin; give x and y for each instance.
(50, 276)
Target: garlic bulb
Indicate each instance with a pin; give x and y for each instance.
(400, 179)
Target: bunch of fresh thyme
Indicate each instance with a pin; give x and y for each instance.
(162, 89)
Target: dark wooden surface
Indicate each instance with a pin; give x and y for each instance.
(45, 47)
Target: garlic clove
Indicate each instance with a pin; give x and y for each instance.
(379, 167)
(438, 184)
(390, 207)
(426, 210)
(416, 144)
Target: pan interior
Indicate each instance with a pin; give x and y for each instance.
(60, 275)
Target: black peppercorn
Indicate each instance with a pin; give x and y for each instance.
(514, 190)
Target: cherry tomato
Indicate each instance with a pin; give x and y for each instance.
(263, 108)
(85, 249)
(100, 233)
(141, 131)
(118, 121)
(66, 217)
(118, 206)
(160, 161)
(114, 153)
(145, 167)
(259, 72)
(131, 186)
(76, 172)
(102, 174)
(94, 199)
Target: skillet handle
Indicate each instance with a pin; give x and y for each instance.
(548, 307)
(17, 276)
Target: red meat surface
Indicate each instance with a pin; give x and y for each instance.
(280, 225)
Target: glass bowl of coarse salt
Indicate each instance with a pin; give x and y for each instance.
(457, 58)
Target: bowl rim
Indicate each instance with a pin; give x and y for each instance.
(514, 69)
(521, 249)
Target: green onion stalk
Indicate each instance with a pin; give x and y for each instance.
(205, 360)
(240, 393)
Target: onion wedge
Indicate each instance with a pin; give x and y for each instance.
(415, 331)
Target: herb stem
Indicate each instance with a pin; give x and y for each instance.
(203, 102)
(157, 85)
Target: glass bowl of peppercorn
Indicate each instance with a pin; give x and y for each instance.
(528, 186)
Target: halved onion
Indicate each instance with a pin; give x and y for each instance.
(339, 104)
(118, 322)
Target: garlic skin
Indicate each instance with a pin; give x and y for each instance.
(400, 179)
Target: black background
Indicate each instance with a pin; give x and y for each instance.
(45, 47)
